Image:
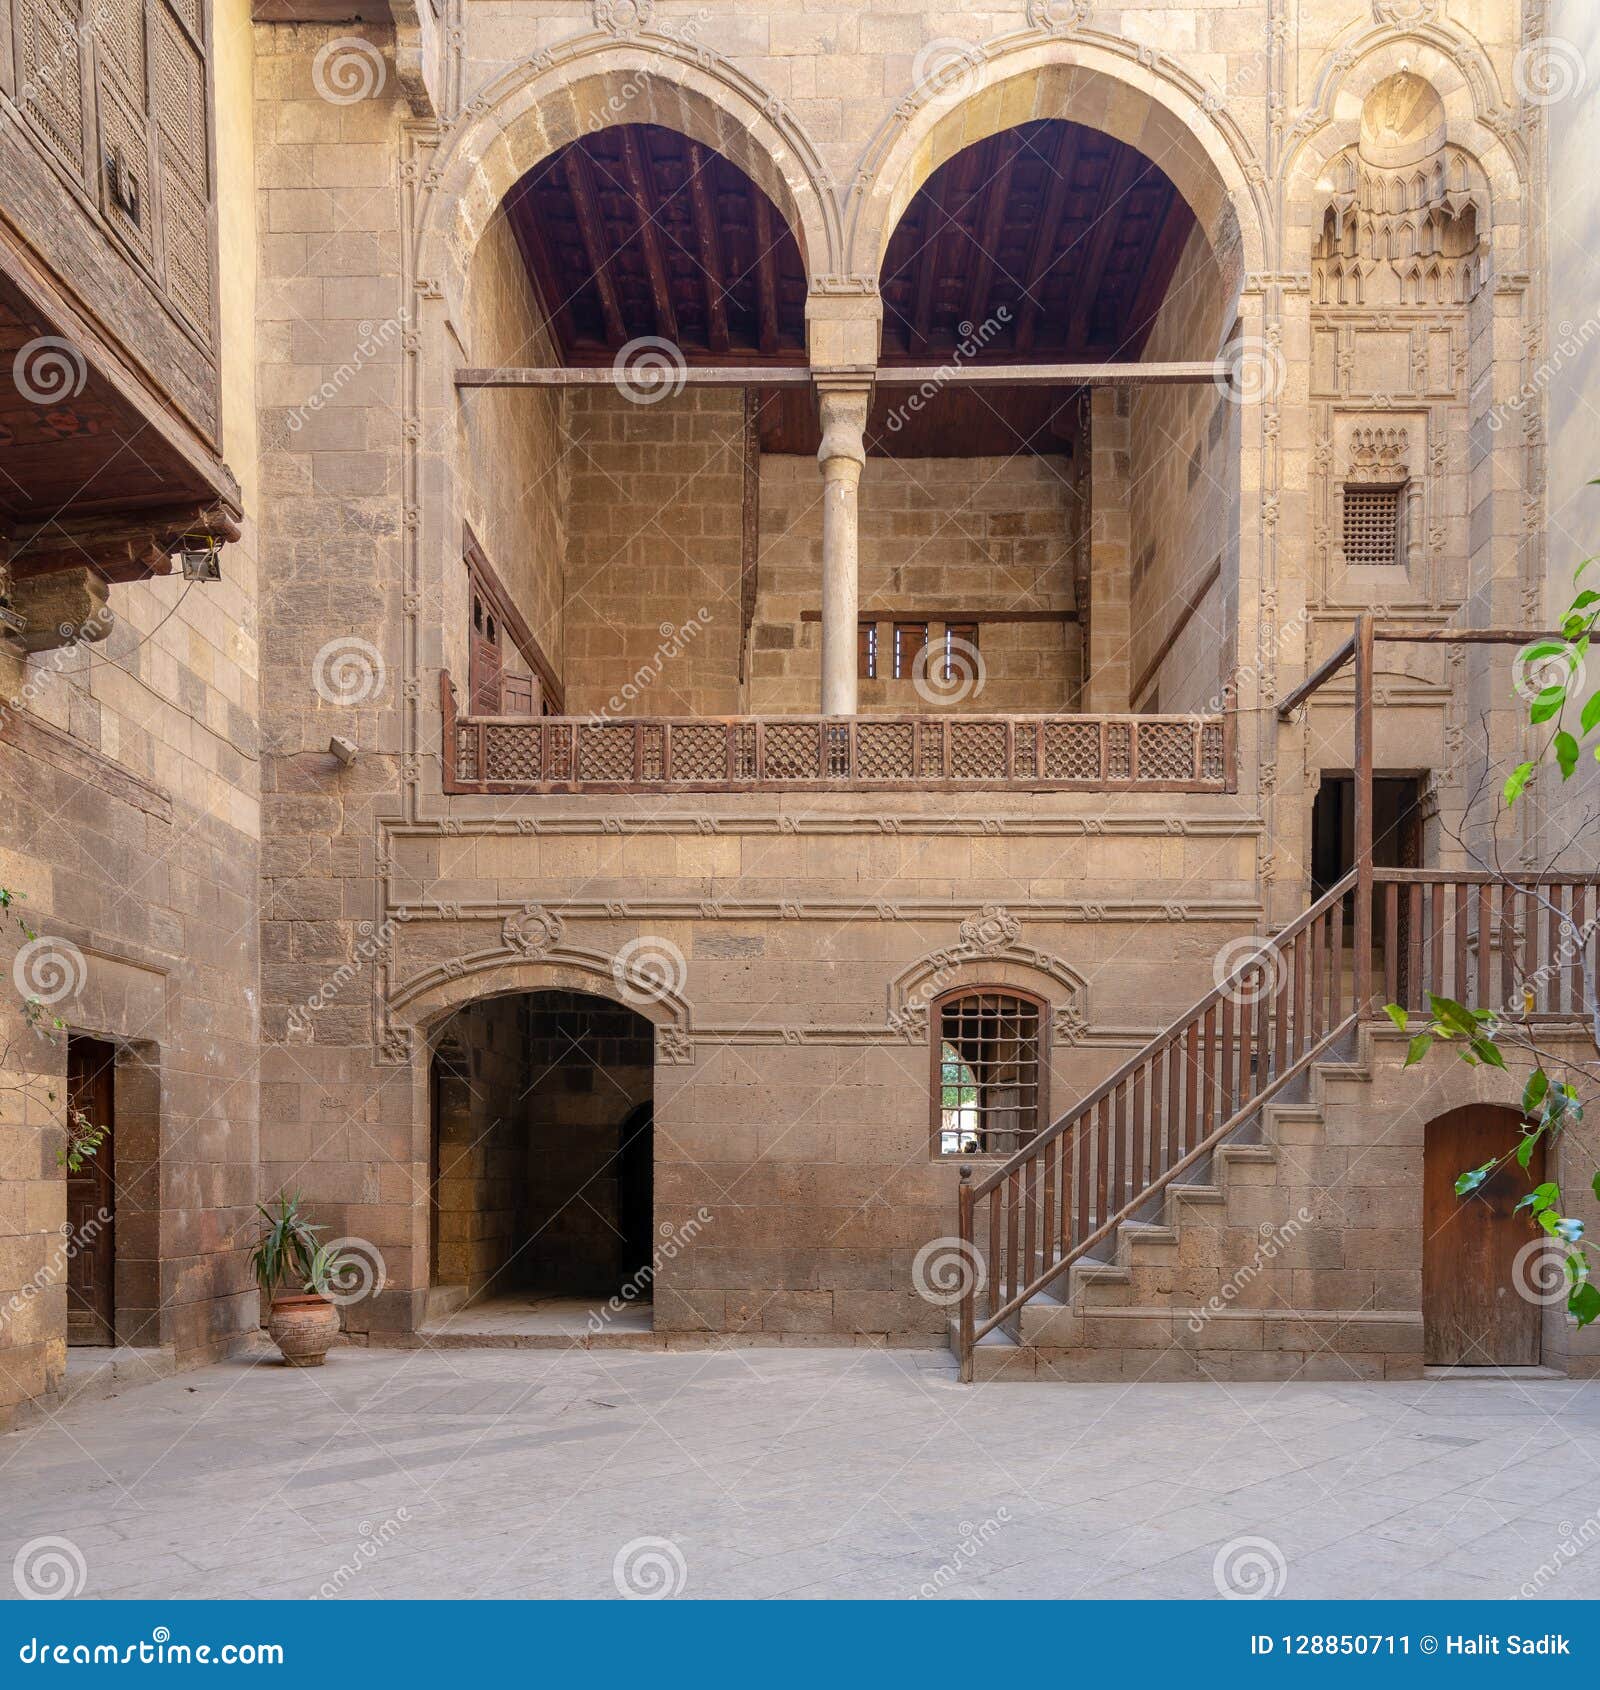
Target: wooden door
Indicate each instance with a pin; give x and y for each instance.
(483, 659)
(1472, 1312)
(91, 1200)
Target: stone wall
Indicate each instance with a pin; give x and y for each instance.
(514, 462)
(654, 536)
(939, 534)
(1183, 493)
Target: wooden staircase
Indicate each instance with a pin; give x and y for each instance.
(1066, 1243)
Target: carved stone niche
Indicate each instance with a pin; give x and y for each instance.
(1377, 497)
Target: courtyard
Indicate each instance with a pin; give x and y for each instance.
(762, 1473)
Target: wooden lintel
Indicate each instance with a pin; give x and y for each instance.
(925, 615)
(1130, 373)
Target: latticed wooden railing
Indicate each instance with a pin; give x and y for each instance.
(825, 753)
(1522, 946)
(1026, 1222)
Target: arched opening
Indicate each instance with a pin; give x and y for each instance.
(1481, 1291)
(543, 1166)
(609, 525)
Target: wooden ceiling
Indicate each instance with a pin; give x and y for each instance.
(637, 230)
(78, 457)
(1074, 233)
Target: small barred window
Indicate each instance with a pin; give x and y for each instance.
(1372, 525)
(988, 1075)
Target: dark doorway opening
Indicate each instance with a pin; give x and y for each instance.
(1396, 826)
(92, 1198)
(1475, 1310)
(543, 1163)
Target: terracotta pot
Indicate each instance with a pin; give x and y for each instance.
(303, 1327)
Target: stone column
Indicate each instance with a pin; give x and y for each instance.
(1110, 567)
(842, 455)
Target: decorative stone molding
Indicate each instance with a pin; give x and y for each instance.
(533, 931)
(626, 18)
(1378, 455)
(1058, 16)
(993, 929)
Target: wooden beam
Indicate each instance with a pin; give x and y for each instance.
(1131, 373)
(1191, 604)
(1362, 643)
(1103, 230)
(1324, 671)
(644, 200)
(996, 192)
(1156, 268)
(586, 207)
(766, 272)
(1044, 239)
(923, 614)
(1464, 636)
(705, 229)
(927, 271)
(540, 262)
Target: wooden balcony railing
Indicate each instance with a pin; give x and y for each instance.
(571, 754)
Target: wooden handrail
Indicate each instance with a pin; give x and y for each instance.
(1162, 1110)
(1209, 1001)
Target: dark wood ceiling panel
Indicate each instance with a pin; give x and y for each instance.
(955, 422)
(637, 230)
(1074, 233)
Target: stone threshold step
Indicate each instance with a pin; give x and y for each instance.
(1493, 1375)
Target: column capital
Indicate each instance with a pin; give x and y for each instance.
(842, 403)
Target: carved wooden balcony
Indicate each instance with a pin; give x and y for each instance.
(573, 754)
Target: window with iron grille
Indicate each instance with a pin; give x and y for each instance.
(988, 1072)
(1372, 525)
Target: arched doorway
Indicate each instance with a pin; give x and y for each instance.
(543, 1162)
(1475, 1312)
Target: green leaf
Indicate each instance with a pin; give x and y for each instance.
(1397, 1015)
(1418, 1048)
(1472, 1179)
(1541, 1197)
(1566, 749)
(1591, 713)
(1519, 778)
(1547, 704)
(1533, 1092)
(1597, 1185)
(1583, 1303)
(1454, 1015)
(1543, 648)
(1486, 1050)
(1525, 1151)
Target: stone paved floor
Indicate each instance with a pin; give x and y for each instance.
(818, 1473)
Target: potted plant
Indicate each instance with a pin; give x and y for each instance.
(303, 1322)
